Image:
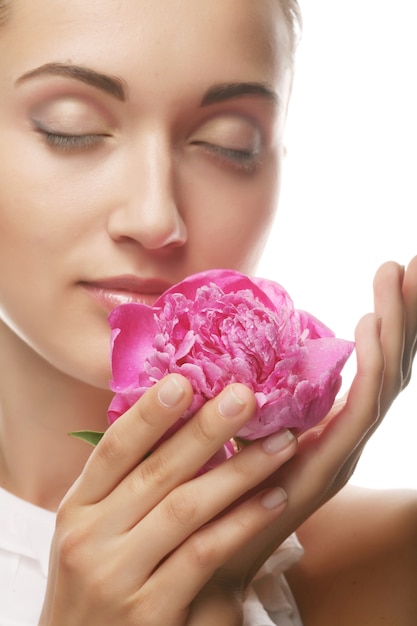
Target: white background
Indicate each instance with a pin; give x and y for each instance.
(349, 196)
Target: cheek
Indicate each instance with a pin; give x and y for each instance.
(29, 204)
(43, 212)
(229, 218)
(50, 192)
(30, 223)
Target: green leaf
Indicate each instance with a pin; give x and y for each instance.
(90, 436)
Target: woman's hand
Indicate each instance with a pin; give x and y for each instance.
(395, 295)
(137, 540)
(327, 454)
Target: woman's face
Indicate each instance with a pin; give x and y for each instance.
(139, 142)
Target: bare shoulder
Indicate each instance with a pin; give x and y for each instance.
(360, 562)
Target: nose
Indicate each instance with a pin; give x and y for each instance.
(147, 210)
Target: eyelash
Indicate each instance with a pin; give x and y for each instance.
(246, 161)
(69, 142)
(243, 160)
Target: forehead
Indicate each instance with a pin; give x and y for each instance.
(155, 35)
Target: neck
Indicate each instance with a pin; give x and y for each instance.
(38, 407)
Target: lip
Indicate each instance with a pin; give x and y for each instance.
(110, 293)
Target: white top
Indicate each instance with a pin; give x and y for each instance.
(25, 538)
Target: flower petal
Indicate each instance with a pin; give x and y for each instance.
(134, 329)
(218, 327)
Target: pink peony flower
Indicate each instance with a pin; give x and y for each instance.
(219, 327)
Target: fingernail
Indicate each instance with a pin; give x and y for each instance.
(278, 441)
(230, 404)
(273, 498)
(170, 393)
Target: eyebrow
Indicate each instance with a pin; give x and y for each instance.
(228, 91)
(117, 88)
(109, 84)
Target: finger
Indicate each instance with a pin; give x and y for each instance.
(410, 300)
(209, 548)
(324, 452)
(129, 439)
(389, 306)
(185, 509)
(361, 410)
(327, 453)
(181, 457)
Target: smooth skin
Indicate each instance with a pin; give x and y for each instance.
(363, 570)
(165, 179)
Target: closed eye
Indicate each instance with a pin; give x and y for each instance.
(243, 160)
(70, 142)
